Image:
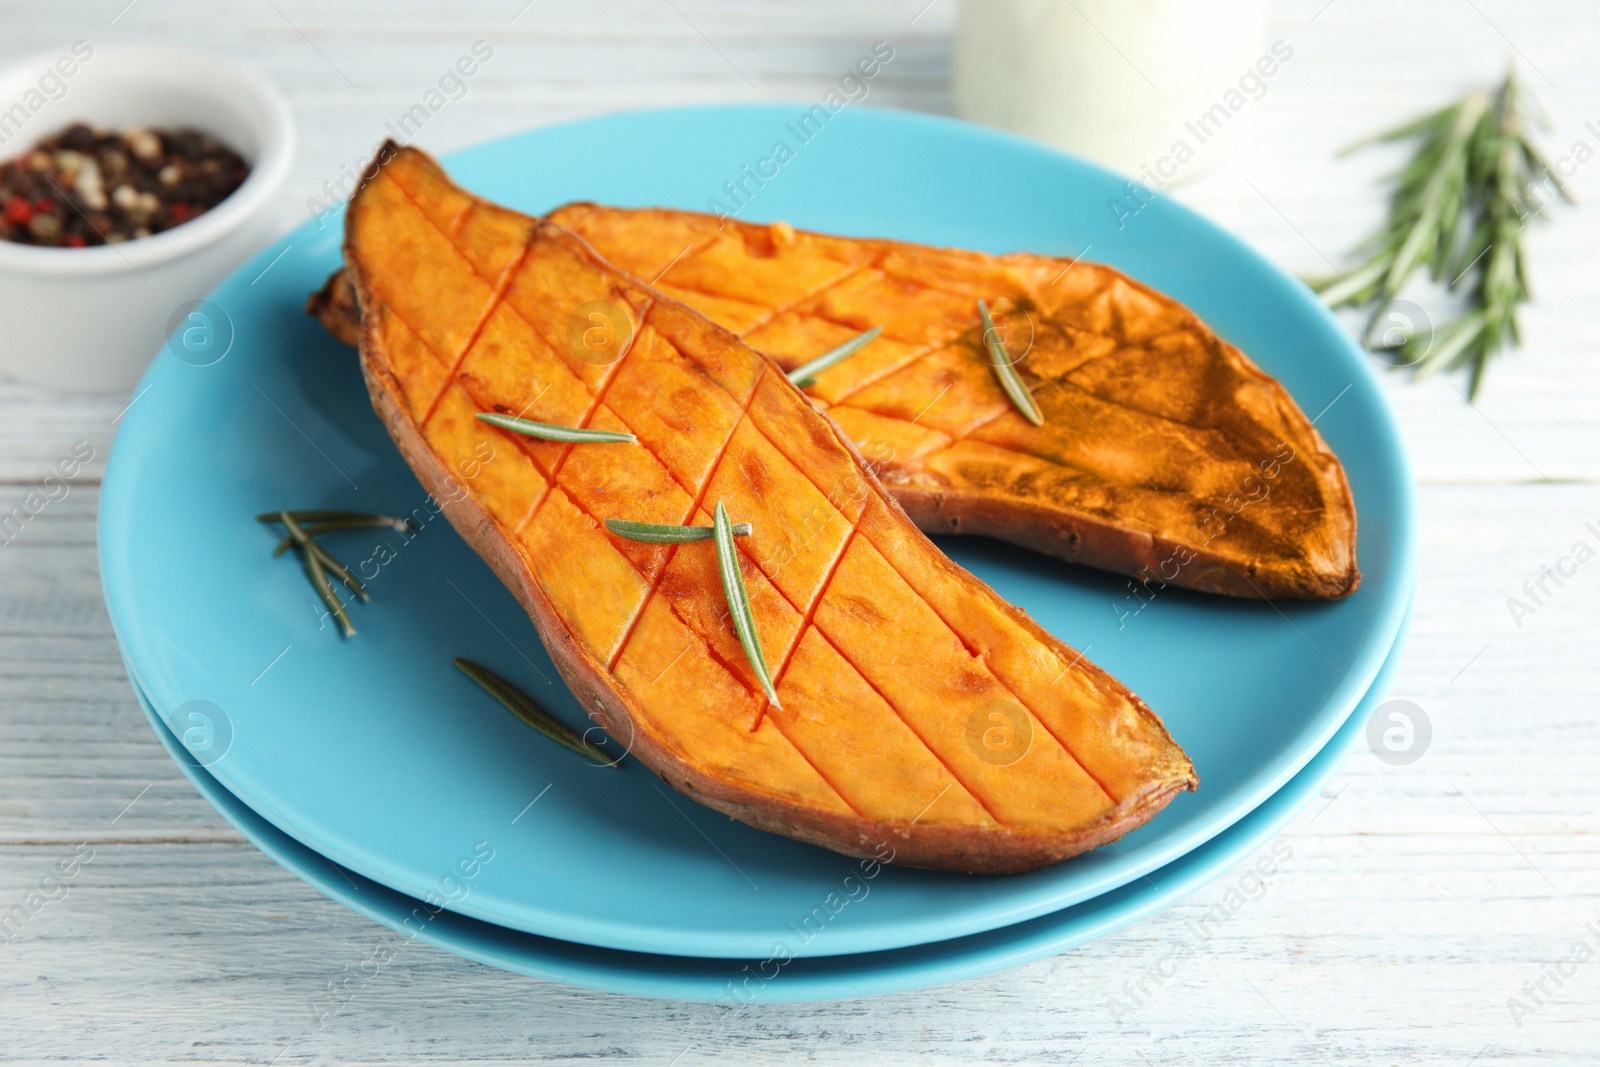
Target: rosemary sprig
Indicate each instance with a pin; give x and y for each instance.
(1458, 208)
(549, 432)
(525, 708)
(744, 622)
(319, 576)
(303, 527)
(654, 533)
(1006, 371)
(805, 375)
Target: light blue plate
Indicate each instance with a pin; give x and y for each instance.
(375, 753)
(765, 980)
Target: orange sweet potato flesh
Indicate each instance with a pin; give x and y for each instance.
(1165, 453)
(918, 710)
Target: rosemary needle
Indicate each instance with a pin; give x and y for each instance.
(527, 709)
(330, 596)
(805, 375)
(362, 522)
(337, 569)
(319, 576)
(744, 622)
(545, 431)
(652, 533)
(353, 518)
(1006, 371)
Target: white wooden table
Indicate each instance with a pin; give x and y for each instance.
(1419, 899)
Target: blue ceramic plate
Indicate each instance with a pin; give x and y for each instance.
(767, 980)
(376, 753)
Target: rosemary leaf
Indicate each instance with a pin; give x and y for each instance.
(337, 569)
(1336, 292)
(315, 529)
(805, 375)
(319, 576)
(1006, 371)
(525, 708)
(652, 533)
(330, 596)
(545, 431)
(744, 622)
(350, 518)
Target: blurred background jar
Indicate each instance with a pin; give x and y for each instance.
(1119, 82)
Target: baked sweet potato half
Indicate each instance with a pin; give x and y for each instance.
(1165, 454)
(916, 709)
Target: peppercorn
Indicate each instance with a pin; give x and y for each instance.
(86, 186)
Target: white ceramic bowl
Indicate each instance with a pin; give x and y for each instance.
(91, 318)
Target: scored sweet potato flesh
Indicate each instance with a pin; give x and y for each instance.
(919, 712)
(1165, 453)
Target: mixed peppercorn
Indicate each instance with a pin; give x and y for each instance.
(88, 187)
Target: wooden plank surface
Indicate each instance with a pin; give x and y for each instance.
(1417, 901)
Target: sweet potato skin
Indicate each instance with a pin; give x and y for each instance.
(337, 307)
(972, 849)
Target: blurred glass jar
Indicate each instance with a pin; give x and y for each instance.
(1120, 82)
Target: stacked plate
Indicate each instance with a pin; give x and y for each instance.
(376, 772)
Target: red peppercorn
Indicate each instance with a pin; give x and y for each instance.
(180, 212)
(44, 204)
(19, 211)
(74, 240)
